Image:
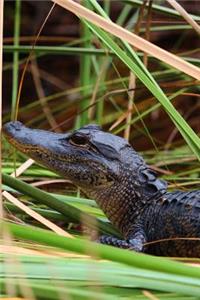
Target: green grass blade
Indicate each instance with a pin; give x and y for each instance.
(77, 273)
(163, 9)
(64, 208)
(85, 69)
(15, 57)
(189, 135)
(126, 257)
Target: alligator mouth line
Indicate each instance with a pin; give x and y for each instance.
(25, 148)
(20, 146)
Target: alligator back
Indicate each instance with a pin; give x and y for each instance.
(175, 217)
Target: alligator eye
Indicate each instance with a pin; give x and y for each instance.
(79, 140)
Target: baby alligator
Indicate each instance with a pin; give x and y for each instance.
(108, 170)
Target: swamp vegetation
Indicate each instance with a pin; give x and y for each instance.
(84, 69)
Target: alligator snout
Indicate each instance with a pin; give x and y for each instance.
(11, 128)
(26, 139)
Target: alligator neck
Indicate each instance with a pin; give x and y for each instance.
(125, 200)
(116, 202)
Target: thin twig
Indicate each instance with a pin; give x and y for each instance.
(28, 59)
(41, 95)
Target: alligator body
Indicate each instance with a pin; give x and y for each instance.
(131, 195)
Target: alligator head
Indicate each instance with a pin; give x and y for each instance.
(103, 165)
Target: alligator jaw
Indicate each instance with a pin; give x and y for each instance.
(54, 151)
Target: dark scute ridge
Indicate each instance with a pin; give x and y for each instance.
(191, 198)
(91, 127)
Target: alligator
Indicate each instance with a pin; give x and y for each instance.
(107, 169)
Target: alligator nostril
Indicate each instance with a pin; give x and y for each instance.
(16, 125)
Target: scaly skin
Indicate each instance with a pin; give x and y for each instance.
(108, 170)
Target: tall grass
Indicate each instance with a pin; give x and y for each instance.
(58, 267)
(16, 56)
